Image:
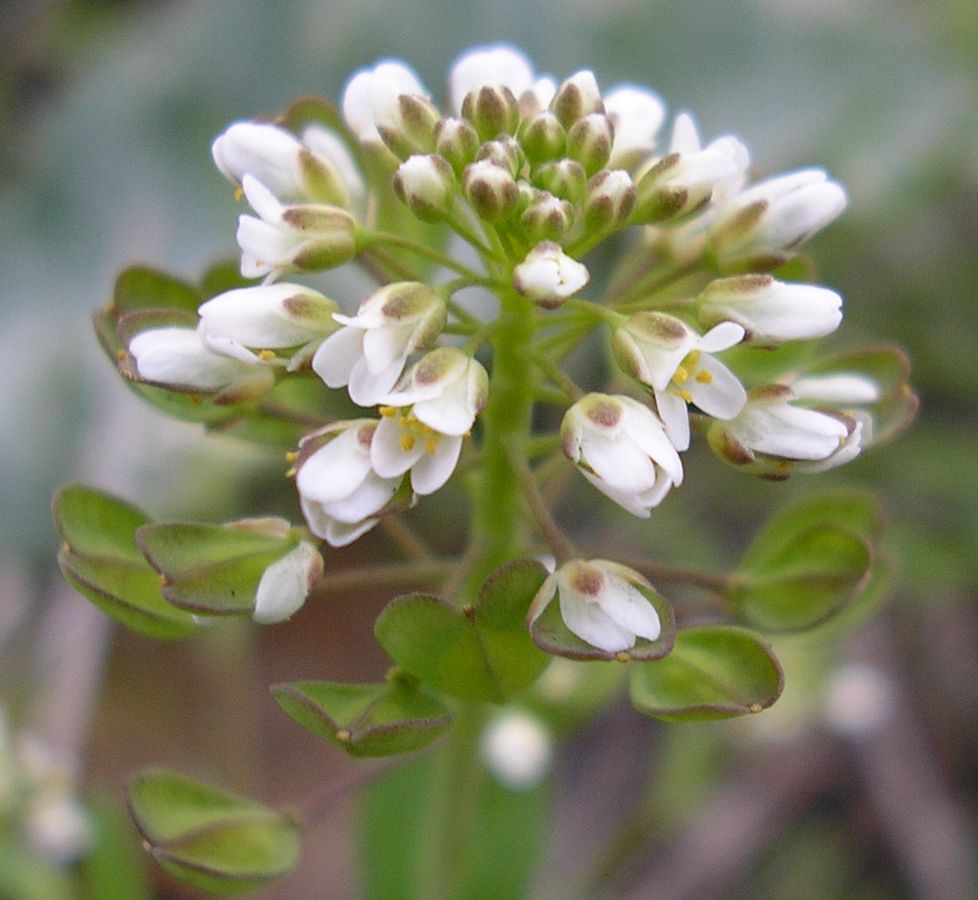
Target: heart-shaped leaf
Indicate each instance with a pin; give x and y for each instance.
(479, 652)
(713, 672)
(214, 569)
(794, 582)
(366, 719)
(101, 560)
(212, 839)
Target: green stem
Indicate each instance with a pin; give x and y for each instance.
(506, 423)
(558, 376)
(395, 240)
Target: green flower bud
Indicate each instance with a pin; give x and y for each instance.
(564, 178)
(505, 152)
(426, 184)
(546, 218)
(577, 97)
(543, 137)
(491, 190)
(492, 109)
(609, 200)
(457, 142)
(590, 140)
(412, 130)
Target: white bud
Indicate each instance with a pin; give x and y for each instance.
(517, 749)
(426, 184)
(548, 276)
(636, 114)
(286, 583)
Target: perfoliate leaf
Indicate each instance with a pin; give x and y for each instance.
(101, 560)
(210, 838)
(481, 652)
(212, 569)
(383, 719)
(143, 288)
(713, 672)
(797, 580)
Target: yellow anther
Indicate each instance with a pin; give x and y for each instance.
(623, 656)
(266, 354)
(344, 736)
(704, 377)
(291, 456)
(238, 194)
(388, 411)
(291, 472)
(431, 445)
(685, 395)
(407, 442)
(692, 358)
(680, 376)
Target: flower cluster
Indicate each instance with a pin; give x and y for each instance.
(531, 175)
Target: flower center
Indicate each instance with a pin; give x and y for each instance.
(689, 370)
(412, 430)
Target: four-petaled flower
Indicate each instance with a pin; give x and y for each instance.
(621, 447)
(602, 602)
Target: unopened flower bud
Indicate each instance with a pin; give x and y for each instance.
(770, 311)
(589, 141)
(491, 190)
(427, 185)
(497, 66)
(457, 142)
(577, 97)
(548, 276)
(413, 129)
(543, 137)
(505, 152)
(285, 584)
(563, 178)
(636, 114)
(609, 200)
(371, 103)
(546, 217)
(492, 109)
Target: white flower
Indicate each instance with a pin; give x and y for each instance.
(57, 827)
(664, 353)
(371, 99)
(306, 236)
(370, 351)
(404, 443)
(292, 170)
(426, 183)
(342, 497)
(622, 449)
(636, 114)
(269, 317)
(602, 602)
(773, 437)
(495, 65)
(691, 175)
(446, 389)
(517, 749)
(548, 276)
(759, 225)
(769, 310)
(285, 584)
(175, 358)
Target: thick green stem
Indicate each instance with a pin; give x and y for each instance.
(506, 423)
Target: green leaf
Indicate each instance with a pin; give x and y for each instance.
(114, 869)
(793, 582)
(143, 288)
(212, 839)
(128, 592)
(713, 672)
(213, 569)
(550, 634)
(366, 719)
(101, 560)
(479, 652)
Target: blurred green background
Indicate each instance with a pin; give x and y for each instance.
(108, 110)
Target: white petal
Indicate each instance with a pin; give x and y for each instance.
(500, 64)
(285, 584)
(842, 387)
(648, 433)
(629, 608)
(176, 356)
(387, 456)
(675, 418)
(263, 151)
(340, 534)
(724, 396)
(593, 625)
(367, 389)
(636, 114)
(620, 463)
(685, 137)
(434, 469)
(335, 470)
(631, 502)
(385, 345)
(336, 356)
(721, 337)
(369, 498)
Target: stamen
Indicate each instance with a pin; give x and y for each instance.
(685, 395)
(387, 411)
(266, 354)
(704, 377)
(407, 442)
(431, 445)
(681, 375)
